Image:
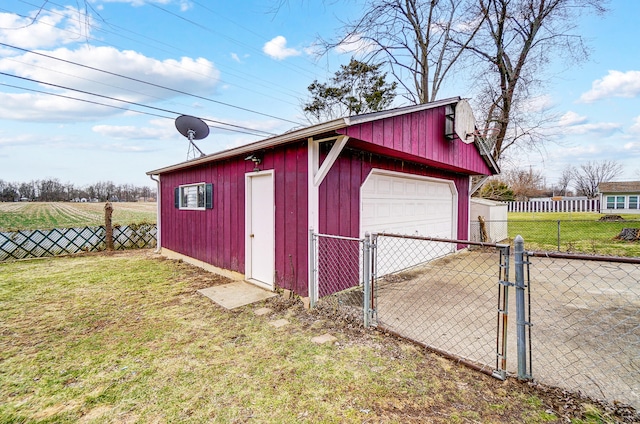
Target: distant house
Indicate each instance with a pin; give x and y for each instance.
(620, 197)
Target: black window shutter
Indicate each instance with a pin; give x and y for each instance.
(176, 197)
(209, 196)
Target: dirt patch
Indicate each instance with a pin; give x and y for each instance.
(611, 218)
(94, 414)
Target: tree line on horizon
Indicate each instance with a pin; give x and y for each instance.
(53, 190)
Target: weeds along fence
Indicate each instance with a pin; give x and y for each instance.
(562, 319)
(60, 241)
(617, 238)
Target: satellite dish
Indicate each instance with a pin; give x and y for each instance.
(194, 129)
(464, 122)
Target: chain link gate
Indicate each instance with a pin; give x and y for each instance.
(577, 317)
(441, 294)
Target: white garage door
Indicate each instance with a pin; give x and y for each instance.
(405, 204)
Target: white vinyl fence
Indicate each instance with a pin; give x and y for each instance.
(565, 205)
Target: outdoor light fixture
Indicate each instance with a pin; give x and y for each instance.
(256, 159)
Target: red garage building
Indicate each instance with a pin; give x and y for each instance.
(246, 212)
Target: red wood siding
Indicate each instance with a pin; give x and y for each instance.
(217, 236)
(413, 143)
(418, 137)
(340, 191)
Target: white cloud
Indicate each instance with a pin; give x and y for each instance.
(277, 48)
(635, 128)
(185, 5)
(44, 29)
(161, 130)
(355, 44)
(46, 108)
(632, 146)
(571, 118)
(314, 49)
(236, 57)
(614, 84)
(186, 74)
(603, 129)
(573, 124)
(537, 104)
(24, 139)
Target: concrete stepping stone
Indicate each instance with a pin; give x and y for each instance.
(263, 311)
(279, 323)
(325, 338)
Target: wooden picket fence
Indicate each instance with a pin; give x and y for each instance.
(61, 241)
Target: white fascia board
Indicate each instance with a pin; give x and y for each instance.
(289, 137)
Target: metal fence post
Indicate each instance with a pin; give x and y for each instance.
(558, 235)
(521, 322)
(366, 275)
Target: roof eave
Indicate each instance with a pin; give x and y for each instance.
(267, 143)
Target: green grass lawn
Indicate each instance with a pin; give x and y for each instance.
(126, 338)
(49, 215)
(576, 232)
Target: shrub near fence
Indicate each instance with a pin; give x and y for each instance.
(585, 236)
(60, 241)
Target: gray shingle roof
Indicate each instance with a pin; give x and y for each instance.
(620, 187)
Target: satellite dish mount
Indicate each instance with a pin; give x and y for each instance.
(194, 129)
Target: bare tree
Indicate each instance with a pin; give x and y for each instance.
(565, 179)
(507, 45)
(525, 183)
(517, 40)
(588, 176)
(421, 40)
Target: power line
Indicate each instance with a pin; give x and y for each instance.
(260, 81)
(147, 83)
(254, 131)
(298, 68)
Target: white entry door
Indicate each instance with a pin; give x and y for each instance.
(260, 246)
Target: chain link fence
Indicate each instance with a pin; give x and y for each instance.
(585, 315)
(447, 299)
(61, 241)
(565, 320)
(337, 274)
(616, 237)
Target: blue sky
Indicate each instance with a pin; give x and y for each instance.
(248, 67)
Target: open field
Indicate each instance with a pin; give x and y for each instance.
(578, 232)
(49, 215)
(125, 338)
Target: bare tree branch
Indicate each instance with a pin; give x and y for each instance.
(589, 175)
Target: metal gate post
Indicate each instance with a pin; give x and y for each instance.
(503, 314)
(521, 323)
(366, 275)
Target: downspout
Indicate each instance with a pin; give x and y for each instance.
(158, 220)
